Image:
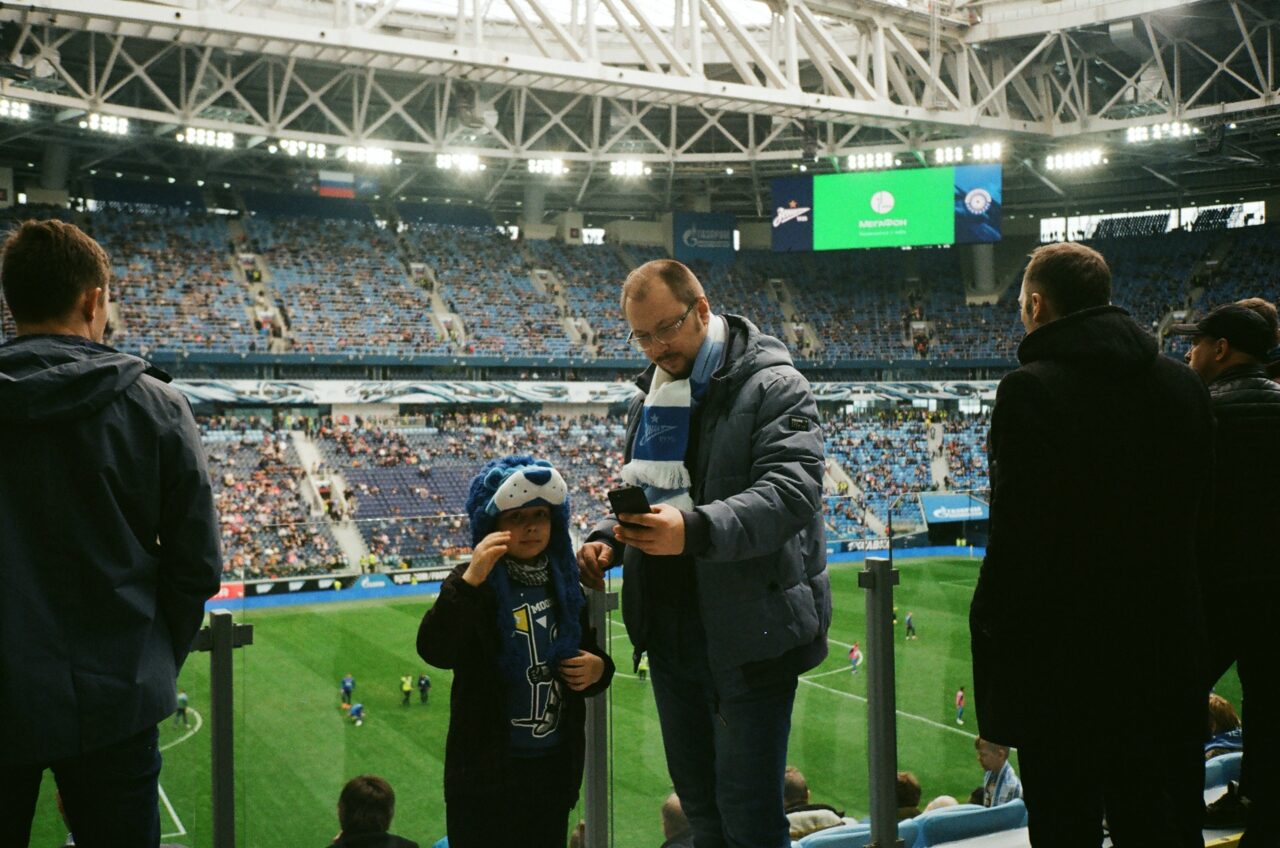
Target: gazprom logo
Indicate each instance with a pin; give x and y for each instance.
(964, 512)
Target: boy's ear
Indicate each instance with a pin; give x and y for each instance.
(494, 478)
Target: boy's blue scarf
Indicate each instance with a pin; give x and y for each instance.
(662, 434)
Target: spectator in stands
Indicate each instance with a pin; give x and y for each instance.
(108, 548)
(804, 816)
(1000, 784)
(516, 724)
(1225, 735)
(724, 662)
(1239, 580)
(940, 802)
(908, 795)
(365, 810)
(675, 825)
(1101, 451)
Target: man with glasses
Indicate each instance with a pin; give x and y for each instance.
(725, 579)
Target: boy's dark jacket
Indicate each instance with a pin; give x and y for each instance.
(457, 633)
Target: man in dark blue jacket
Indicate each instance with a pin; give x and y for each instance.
(1101, 471)
(108, 548)
(725, 581)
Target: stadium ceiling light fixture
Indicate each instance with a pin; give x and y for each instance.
(368, 155)
(871, 161)
(948, 155)
(109, 124)
(15, 110)
(987, 151)
(629, 168)
(1160, 132)
(463, 163)
(207, 138)
(551, 167)
(1074, 160)
(306, 149)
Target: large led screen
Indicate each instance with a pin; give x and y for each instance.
(920, 206)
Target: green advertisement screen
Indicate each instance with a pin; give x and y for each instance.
(884, 209)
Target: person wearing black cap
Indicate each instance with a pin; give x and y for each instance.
(1240, 576)
(1101, 465)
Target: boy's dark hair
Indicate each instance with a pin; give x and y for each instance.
(367, 805)
(1071, 276)
(46, 267)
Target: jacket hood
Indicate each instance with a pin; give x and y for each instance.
(63, 378)
(748, 350)
(1102, 338)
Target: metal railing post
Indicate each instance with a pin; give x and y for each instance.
(595, 789)
(878, 578)
(220, 638)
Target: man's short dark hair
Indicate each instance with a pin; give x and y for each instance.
(367, 805)
(908, 789)
(1071, 276)
(795, 789)
(46, 267)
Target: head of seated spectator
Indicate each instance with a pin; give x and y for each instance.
(908, 794)
(804, 816)
(365, 810)
(940, 802)
(1000, 784)
(1225, 736)
(675, 825)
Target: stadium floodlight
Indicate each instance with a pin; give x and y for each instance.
(207, 138)
(551, 167)
(1074, 160)
(948, 155)
(306, 149)
(629, 168)
(1161, 132)
(987, 151)
(870, 161)
(463, 163)
(368, 155)
(14, 110)
(109, 124)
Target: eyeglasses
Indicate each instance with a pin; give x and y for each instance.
(662, 335)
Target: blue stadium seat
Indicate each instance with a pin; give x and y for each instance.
(857, 836)
(966, 821)
(1222, 770)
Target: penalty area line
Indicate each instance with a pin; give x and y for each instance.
(164, 799)
(192, 732)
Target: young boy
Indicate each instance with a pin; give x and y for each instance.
(999, 783)
(512, 625)
(365, 809)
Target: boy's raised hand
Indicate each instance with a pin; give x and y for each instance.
(581, 671)
(486, 556)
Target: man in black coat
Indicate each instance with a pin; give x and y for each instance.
(1240, 574)
(1086, 627)
(108, 548)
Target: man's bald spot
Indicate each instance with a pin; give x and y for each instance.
(679, 280)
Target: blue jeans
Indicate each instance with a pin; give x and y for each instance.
(725, 741)
(110, 795)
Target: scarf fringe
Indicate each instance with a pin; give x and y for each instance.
(656, 473)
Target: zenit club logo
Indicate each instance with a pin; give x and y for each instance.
(977, 201)
(791, 212)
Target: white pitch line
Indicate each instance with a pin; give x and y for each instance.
(192, 732)
(825, 673)
(164, 799)
(902, 713)
(809, 680)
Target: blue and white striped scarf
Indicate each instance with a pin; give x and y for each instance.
(662, 435)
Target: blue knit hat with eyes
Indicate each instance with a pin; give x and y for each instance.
(516, 482)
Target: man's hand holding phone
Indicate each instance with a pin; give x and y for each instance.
(659, 532)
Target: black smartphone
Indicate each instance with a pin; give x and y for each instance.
(628, 499)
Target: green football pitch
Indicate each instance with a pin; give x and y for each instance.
(295, 749)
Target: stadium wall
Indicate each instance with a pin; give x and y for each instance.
(647, 233)
(369, 587)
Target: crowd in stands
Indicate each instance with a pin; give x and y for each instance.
(964, 445)
(888, 456)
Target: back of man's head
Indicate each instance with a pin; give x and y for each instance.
(908, 789)
(674, 821)
(1267, 310)
(46, 267)
(367, 805)
(795, 789)
(1070, 276)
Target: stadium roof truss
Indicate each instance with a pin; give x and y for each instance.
(704, 85)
